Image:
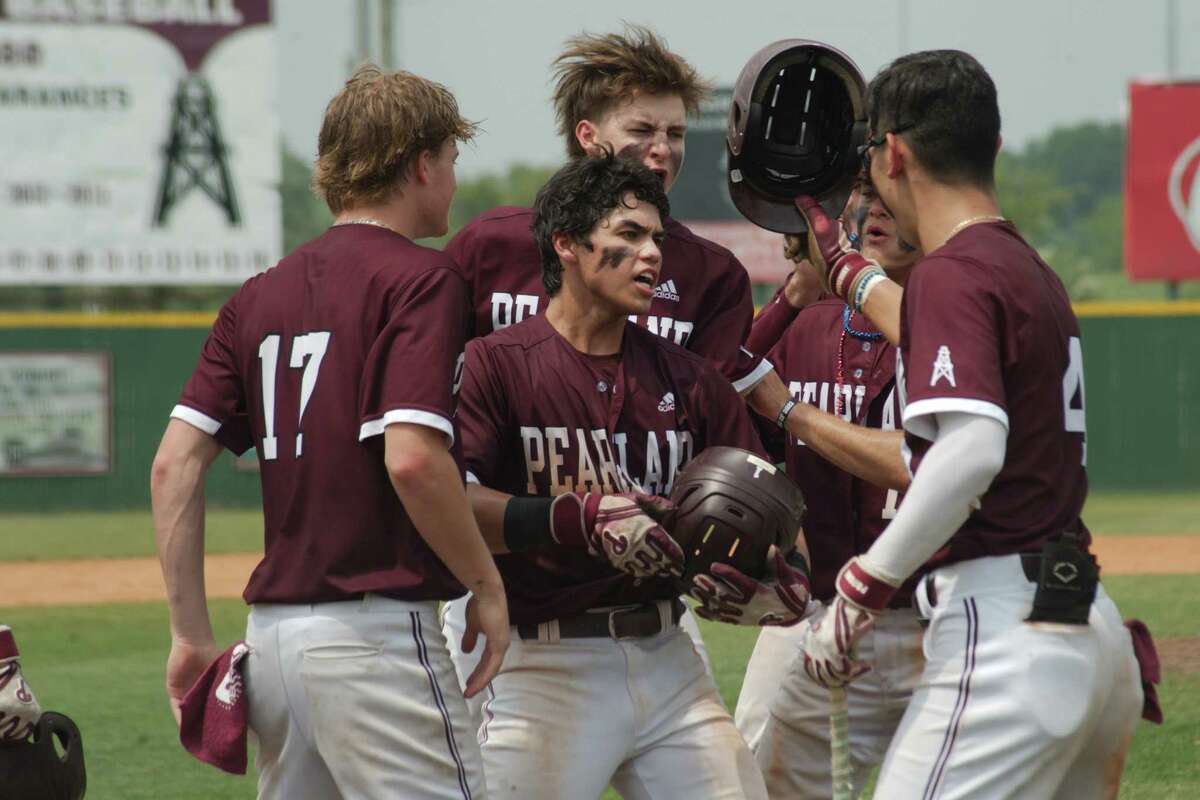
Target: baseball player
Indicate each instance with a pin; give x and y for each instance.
(834, 360)
(341, 365)
(563, 416)
(629, 93)
(626, 92)
(1031, 688)
(19, 709)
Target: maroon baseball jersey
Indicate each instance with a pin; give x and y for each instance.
(308, 362)
(844, 514)
(540, 418)
(702, 300)
(987, 328)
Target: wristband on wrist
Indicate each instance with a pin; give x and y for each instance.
(862, 589)
(867, 281)
(527, 523)
(845, 272)
(781, 419)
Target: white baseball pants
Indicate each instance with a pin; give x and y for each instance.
(785, 716)
(566, 718)
(357, 700)
(1009, 709)
(454, 622)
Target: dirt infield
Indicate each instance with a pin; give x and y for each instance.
(118, 580)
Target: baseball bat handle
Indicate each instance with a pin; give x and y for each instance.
(839, 740)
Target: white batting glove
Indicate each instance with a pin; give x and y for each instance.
(624, 529)
(829, 642)
(728, 595)
(19, 709)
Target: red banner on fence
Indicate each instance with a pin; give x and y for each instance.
(1162, 182)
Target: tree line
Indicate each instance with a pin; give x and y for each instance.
(1063, 190)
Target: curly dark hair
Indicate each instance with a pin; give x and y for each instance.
(579, 195)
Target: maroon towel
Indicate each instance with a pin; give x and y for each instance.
(1147, 658)
(213, 714)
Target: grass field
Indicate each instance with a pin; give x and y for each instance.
(117, 534)
(103, 664)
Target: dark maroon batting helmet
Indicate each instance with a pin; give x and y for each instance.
(730, 507)
(797, 118)
(34, 770)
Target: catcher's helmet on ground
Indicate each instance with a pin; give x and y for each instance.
(730, 507)
(34, 770)
(797, 118)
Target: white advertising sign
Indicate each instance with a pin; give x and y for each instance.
(55, 414)
(139, 141)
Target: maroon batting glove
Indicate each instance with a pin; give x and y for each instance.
(729, 595)
(572, 518)
(846, 269)
(624, 529)
(829, 643)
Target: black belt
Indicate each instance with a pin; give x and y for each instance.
(1031, 563)
(636, 622)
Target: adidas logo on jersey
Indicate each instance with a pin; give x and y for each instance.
(667, 291)
(667, 403)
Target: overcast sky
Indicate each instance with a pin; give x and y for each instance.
(1055, 62)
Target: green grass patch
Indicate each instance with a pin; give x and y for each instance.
(1166, 603)
(116, 534)
(1143, 512)
(104, 667)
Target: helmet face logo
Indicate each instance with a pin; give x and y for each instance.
(760, 465)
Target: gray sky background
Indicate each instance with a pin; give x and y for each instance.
(1055, 62)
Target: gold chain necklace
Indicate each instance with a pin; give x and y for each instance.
(957, 229)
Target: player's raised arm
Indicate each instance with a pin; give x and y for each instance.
(852, 276)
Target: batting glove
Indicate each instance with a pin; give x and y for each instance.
(19, 709)
(848, 272)
(625, 529)
(729, 595)
(829, 642)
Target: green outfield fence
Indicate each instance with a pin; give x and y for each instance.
(1141, 362)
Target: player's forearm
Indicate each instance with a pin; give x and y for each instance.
(768, 397)
(428, 483)
(882, 307)
(867, 453)
(490, 506)
(770, 324)
(955, 472)
(177, 502)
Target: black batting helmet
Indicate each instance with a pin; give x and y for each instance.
(730, 507)
(33, 769)
(797, 118)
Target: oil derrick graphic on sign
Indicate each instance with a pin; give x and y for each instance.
(195, 154)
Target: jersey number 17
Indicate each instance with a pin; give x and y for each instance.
(308, 349)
